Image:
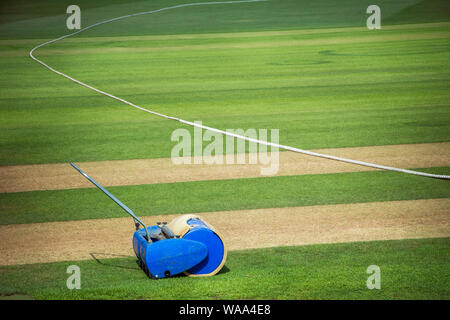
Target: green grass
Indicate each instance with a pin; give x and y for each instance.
(321, 86)
(205, 196)
(410, 269)
(21, 18)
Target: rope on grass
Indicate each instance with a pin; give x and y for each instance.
(288, 148)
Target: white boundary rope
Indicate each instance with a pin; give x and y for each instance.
(311, 153)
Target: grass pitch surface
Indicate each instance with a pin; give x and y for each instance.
(310, 69)
(275, 64)
(410, 269)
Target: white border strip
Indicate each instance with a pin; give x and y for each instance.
(315, 154)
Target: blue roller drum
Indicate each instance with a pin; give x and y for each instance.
(200, 232)
(188, 244)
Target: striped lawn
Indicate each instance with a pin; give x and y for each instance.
(326, 87)
(220, 195)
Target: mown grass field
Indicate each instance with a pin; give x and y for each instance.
(310, 69)
(220, 195)
(411, 269)
(365, 87)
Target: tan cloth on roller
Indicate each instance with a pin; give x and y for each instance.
(179, 225)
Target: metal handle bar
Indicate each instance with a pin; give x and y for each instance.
(124, 207)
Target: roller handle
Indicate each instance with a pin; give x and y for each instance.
(137, 221)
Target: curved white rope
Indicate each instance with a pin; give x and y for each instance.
(311, 153)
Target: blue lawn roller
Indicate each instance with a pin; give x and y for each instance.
(188, 244)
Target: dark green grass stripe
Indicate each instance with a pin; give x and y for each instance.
(218, 195)
(26, 19)
(410, 269)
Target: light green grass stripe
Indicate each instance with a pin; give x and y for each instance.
(233, 45)
(220, 195)
(410, 269)
(81, 39)
(299, 38)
